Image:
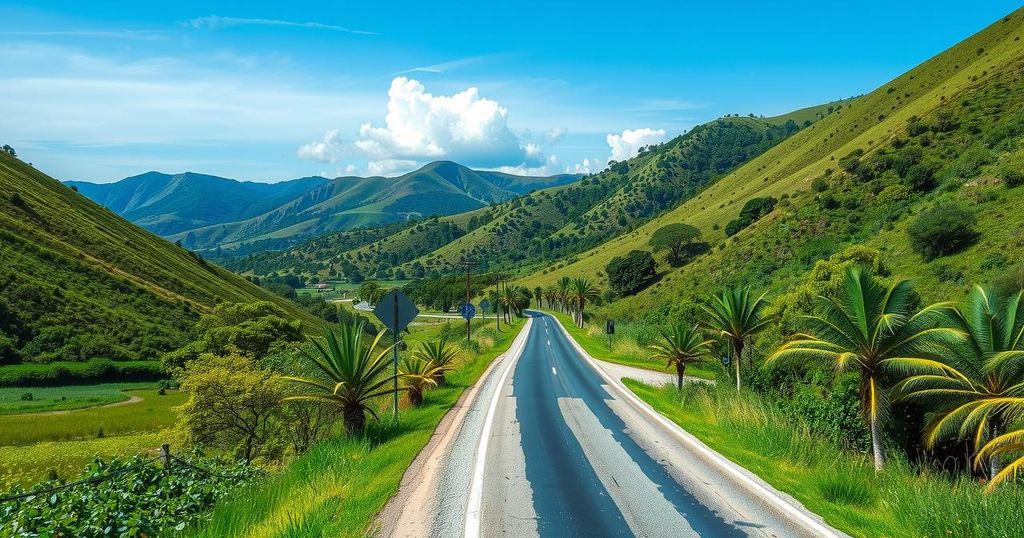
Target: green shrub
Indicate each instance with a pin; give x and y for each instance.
(54, 374)
(1011, 177)
(631, 273)
(942, 230)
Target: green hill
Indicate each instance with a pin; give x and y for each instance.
(166, 204)
(79, 282)
(549, 224)
(439, 188)
(947, 131)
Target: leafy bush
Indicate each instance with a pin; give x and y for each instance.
(942, 230)
(55, 374)
(631, 273)
(1011, 177)
(754, 209)
(139, 499)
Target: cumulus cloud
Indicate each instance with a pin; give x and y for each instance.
(326, 150)
(588, 166)
(420, 127)
(628, 144)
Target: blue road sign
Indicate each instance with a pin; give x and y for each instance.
(468, 311)
(485, 305)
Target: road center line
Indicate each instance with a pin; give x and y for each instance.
(554, 371)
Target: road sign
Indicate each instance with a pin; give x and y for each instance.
(725, 361)
(396, 311)
(485, 305)
(610, 327)
(468, 311)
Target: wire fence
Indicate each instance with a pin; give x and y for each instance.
(166, 456)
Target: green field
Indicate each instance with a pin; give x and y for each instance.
(353, 476)
(12, 399)
(153, 412)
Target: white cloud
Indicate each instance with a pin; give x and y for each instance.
(421, 127)
(214, 22)
(326, 150)
(628, 144)
(588, 166)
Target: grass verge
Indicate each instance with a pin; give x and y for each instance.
(338, 487)
(625, 350)
(841, 487)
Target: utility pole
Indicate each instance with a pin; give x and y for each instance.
(497, 299)
(468, 265)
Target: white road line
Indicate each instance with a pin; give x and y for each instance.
(471, 528)
(688, 439)
(554, 371)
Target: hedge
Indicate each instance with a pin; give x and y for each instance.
(72, 373)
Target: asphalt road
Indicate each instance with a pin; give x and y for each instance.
(550, 447)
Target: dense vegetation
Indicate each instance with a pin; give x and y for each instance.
(126, 498)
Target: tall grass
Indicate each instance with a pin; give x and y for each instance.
(903, 500)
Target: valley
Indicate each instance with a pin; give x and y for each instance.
(801, 324)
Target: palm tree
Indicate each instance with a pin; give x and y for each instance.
(682, 345)
(440, 353)
(563, 286)
(580, 292)
(538, 295)
(418, 375)
(735, 316)
(984, 367)
(357, 374)
(871, 327)
(551, 296)
(1008, 443)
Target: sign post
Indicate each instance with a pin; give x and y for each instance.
(609, 328)
(468, 312)
(395, 311)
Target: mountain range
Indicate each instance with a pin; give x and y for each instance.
(207, 212)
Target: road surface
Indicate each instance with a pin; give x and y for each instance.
(551, 445)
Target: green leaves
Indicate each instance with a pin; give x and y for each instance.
(138, 500)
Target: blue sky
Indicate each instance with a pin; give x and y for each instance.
(103, 90)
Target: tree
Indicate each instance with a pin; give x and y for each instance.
(9, 150)
(631, 273)
(754, 209)
(563, 286)
(232, 404)
(371, 292)
(255, 330)
(681, 346)
(674, 238)
(872, 328)
(735, 316)
(551, 296)
(441, 353)
(357, 374)
(417, 376)
(983, 371)
(580, 293)
(942, 230)
(538, 295)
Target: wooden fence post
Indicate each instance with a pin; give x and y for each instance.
(165, 454)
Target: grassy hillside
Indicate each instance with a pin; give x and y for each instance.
(439, 188)
(847, 180)
(78, 281)
(553, 223)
